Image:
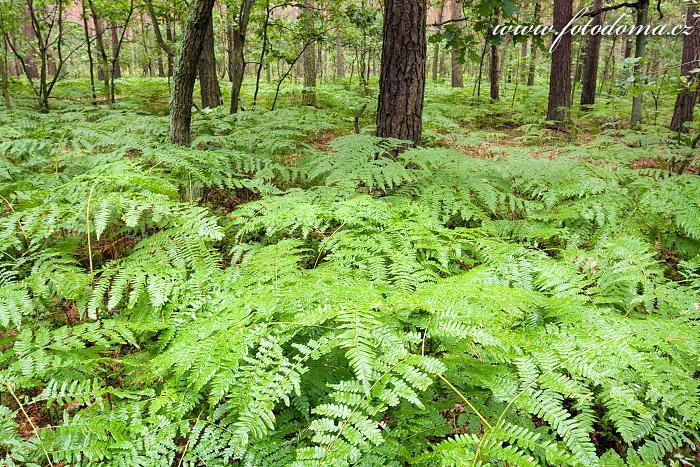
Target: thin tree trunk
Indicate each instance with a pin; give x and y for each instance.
(238, 65)
(208, 79)
(116, 69)
(309, 56)
(639, 51)
(436, 46)
(560, 73)
(590, 66)
(609, 61)
(533, 46)
(105, 68)
(186, 71)
(457, 70)
(3, 72)
(339, 56)
(403, 68)
(89, 52)
(494, 77)
(687, 97)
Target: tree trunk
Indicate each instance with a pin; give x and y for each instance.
(402, 75)
(533, 46)
(457, 71)
(309, 55)
(339, 57)
(590, 65)
(560, 73)
(186, 71)
(522, 63)
(105, 67)
(436, 46)
(116, 69)
(3, 76)
(639, 49)
(89, 52)
(628, 48)
(238, 65)
(208, 79)
(685, 101)
(494, 74)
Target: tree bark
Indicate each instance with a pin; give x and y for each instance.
(591, 59)
(560, 73)
(457, 71)
(186, 71)
(494, 78)
(3, 76)
(639, 50)
(89, 52)
(116, 68)
(238, 63)
(208, 79)
(533, 46)
(687, 97)
(403, 69)
(436, 46)
(339, 57)
(309, 56)
(105, 68)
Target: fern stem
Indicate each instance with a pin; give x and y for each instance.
(466, 401)
(31, 423)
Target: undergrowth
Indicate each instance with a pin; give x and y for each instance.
(503, 296)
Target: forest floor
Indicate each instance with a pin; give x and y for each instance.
(287, 291)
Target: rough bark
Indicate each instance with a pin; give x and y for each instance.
(309, 56)
(238, 47)
(591, 59)
(457, 71)
(116, 68)
(639, 51)
(208, 79)
(533, 46)
(339, 57)
(687, 97)
(494, 75)
(403, 69)
(560, 72)
(186, 71)
(436, 46)
(105, 66)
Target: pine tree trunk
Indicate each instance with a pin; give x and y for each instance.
(560, 73)
(339, 57)
(403, 69)
(208, 79)
(436, 46)
(591, 59)
(457, 71)
(522, 61)
(533, 46)
(309, 56)
(105, 67)
(687, 97)
(186, 71)
(639, 51)
(238, 65)
(116, 69)
(494, 77)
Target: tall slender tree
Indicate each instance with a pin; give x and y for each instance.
(208, 79)
(639, 53)
(186, 71)
(591, 59)
(436, 46)
(457, 72)
(403, 69)
(533, 45)
(560, 72)
(237, 42)
(688, 94)
(309, 54)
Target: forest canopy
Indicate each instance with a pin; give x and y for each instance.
(349, 233)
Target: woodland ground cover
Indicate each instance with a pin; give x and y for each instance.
(288, 293)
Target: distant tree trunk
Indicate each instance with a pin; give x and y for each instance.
(30, 66)
(238, 42)
(628, 48)
(494, 77)
(117, 70)
(186, 70)
(522, 61)
(533, 46)
(457, 71)
(436, 46)
(89, 52)
(403, 69)
(687, 97)
(309, 56)
(590, 65)
(639, 50)
(3, 75)
(166, 47)
(339, 57)
(105, 68)
(208, 79)
(171, 56)
(560, 73)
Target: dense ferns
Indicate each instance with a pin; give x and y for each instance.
(353, 308)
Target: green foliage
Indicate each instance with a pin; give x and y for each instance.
(262, 300)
